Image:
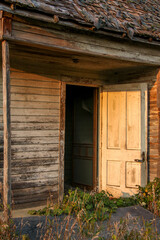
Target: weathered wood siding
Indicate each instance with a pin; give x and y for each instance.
(1, 129)
(154, 131)
(84, 44)
(35, 115)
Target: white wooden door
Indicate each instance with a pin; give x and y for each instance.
(123, 138)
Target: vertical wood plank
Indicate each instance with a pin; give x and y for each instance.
(62, 141)
(158, 165)
(7, 129)
(158, 105)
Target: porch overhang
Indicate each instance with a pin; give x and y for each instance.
(26, 31)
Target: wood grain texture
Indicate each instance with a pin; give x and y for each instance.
(1, 131)
(95, 15)
(84, 44)
(62, 142)
(122, 108)
(35, 125)
(7, 130)
(1, 28)
(6, 26)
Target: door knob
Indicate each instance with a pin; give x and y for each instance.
(141, 160)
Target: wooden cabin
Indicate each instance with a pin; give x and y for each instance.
(79, 97)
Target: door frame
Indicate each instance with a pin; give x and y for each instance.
(62, 134)
(124, 87)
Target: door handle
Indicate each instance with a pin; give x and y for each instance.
(141, 160)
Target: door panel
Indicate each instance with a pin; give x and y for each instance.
(124, 112)
(133, 100)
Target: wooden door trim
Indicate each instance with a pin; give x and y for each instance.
(62, 140)
(145, 89)
(80, 84)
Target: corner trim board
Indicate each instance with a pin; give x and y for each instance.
(7, 129)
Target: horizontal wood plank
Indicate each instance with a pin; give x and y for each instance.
(35, 148)
(16, 74)
(35, 119)
(33, 112)
(22, 200)
(35, 169)
(34, 140)
(35, 176)
(33, 97)
(35, 190)
(35, 162)
(39, 154)
(34, 105)
(34, 126)
(36, 84)
(38, 133)
(32, 183)
(36, 90)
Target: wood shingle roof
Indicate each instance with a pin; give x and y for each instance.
(132, 17)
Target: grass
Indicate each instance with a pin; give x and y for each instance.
(82, 215)
(93, 205)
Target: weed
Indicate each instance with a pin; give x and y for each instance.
(84, 215)
(95, 205)
(123, 230)
(88, 208)
(149, 196)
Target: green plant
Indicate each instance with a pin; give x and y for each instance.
(87, 207)
(149, 196)
(94, 205)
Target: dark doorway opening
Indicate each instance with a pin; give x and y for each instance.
(81, 137)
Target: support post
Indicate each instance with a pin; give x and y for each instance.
(7, 130)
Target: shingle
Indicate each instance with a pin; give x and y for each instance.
(142, 16)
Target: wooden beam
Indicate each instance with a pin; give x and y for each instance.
(78, 43)
(1, 14)
(7, 130)
(6, 26)
(62, 142)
